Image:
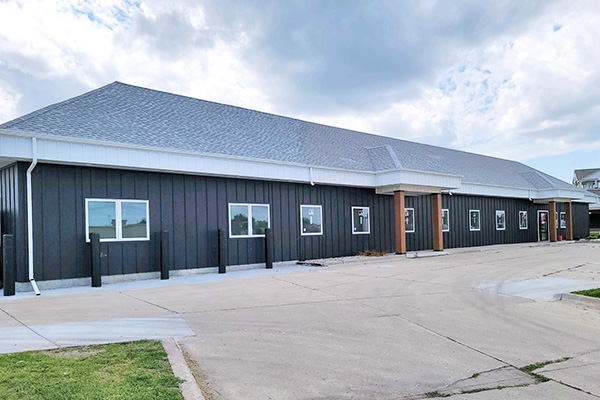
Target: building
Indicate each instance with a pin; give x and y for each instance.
(588, 179)
(129, 162)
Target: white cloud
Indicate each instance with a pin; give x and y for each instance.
(529, 91)
(97, 42)
(525, 94)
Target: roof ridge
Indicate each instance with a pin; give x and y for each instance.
(41, 111)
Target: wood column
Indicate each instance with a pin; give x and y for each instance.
(552, 222)
(399, 222)
(436, 210)
(569, 218)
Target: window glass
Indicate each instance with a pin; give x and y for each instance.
(563, 220)
(102, 218)
(311, 220)
(500, 220)
(133, 219)
(239, 220)
(445, 220)
(260, 219)
(474, 220)
(522, 219)
(360, 220)
(409, 219)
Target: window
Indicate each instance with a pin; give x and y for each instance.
(117, 220)
(445, 220)
(522, 219)
(360, 220)
(474, 223)
(500, 220)
(409, 219)
(312, 219)
(563, 220)
(248, 220)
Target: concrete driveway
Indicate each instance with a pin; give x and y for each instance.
(366, 328)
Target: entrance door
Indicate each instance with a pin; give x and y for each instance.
(543, 225)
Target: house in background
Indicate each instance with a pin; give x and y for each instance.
(128, 163)
(589, 179)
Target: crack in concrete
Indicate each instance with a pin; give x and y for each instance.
(30, 328)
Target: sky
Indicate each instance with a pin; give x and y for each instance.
(511, 79)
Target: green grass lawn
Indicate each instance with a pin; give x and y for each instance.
(135, 370)
(591, 292)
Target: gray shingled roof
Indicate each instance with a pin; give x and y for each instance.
(582, 173)
(121, 113)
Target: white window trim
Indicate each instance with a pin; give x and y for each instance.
(504, 212)
(118, 220)
(413, 221)
(302, 233)
(526, 220)
(249, 205)
(560, 221)
(368, 231)
(447, 212)
(471, 229)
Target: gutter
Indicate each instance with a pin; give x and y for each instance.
(30, 215)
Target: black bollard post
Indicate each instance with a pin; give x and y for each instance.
(269, 248)
(222, 251)
(96, 271)
(8, 262)
(164, 255)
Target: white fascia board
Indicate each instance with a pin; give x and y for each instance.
(63, 150)
(418, 178)
(524, 193)
(566, 194)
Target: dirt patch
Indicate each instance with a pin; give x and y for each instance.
(72, 352)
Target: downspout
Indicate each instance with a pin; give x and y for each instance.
(30, 215)
(312, 182)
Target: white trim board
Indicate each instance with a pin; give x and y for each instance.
(73, 151)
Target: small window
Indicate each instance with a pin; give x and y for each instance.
(474, 222)
(117, 220)
(563, 220)
(445, 220)
(522, 219)
(360, 220)
(312, 219)
(248, 220)
(409, 219)
(500, 220)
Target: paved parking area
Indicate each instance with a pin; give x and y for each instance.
(371, 328)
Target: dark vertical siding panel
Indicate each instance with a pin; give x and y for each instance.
(581, 220)
(68, 217)
(51, 224)
(213, 223)
(179, 219)
(202, 230)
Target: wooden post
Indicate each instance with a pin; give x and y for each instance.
(569, 218)
(95, 252)
(399, 222)
(436, 210)
(552, 222)
(8, 263)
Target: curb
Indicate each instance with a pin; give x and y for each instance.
(189, 387)
(587, 301)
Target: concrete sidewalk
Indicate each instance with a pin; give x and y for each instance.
(366, 328)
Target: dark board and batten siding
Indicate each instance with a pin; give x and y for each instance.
(193, 208)
(13, 212)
